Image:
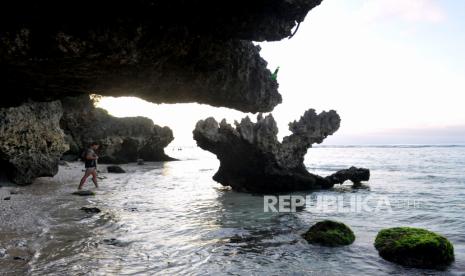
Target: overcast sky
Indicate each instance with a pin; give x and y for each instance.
(393, 69)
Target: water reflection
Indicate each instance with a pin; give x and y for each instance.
(172, 218)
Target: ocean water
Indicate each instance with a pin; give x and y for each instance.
(173, 219)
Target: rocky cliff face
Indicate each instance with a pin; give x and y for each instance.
(253, 160)
(31, 140)
(122, 140)
(159, 50)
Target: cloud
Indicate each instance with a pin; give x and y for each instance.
(405, 10)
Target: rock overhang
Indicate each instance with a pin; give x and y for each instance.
(161, 51)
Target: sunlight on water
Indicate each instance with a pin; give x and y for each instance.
(172, 218)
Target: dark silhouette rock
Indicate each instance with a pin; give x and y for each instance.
(414, 247)
(115, 169)
(356, 175)
(122, 140)
(253, 160)
(84, 193)
(91, 210)
(162, 51)
(115, 242)
(330, 233)
(31, 141)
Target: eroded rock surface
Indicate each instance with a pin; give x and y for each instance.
(162, 51)
(121, 140)
(252, 159)
(31, 140)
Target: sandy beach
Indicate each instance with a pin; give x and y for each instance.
(25, 213)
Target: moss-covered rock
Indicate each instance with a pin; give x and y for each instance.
(414, 247)
(330, 233)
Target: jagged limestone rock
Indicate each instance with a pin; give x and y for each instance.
(253, 160)
(164, 51)
(31, 140)
(121, 140)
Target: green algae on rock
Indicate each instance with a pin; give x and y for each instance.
(330, 233)
(414, 247)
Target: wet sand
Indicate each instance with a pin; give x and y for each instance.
(25, 214)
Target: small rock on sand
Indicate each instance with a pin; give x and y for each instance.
(84, 193)
(7, 198)
(115, 169)
(115, 242)
(91, 210)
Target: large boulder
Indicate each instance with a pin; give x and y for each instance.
(253, 160)
(330, 233)
(414, 247)
(31, 140)
(164, 51)
(122, 140)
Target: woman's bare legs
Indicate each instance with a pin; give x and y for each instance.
(89, 172)
(94, 177)
(84, 178)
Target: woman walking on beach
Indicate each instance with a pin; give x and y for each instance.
(90, 159)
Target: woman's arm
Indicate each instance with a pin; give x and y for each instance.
(91, 156)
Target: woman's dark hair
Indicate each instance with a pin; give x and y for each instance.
(94, 144)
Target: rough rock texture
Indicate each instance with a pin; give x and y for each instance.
(414, 247)
(330, 233)
(121, 140)
(31, 141)
(160, 50)
(252, 159)
(356, 175)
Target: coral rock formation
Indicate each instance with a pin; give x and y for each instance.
(31, 140)
(174, 51)
(121, 140)
(356, 175)
(253, 160)
(159, 50)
